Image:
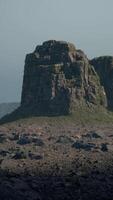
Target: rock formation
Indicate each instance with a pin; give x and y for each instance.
(104, 67)
(58, 78)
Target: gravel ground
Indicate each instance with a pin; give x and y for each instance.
(56, 161)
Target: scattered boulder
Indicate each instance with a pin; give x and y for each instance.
(92, 135)
(24, 140)
(3, 138)
(37, 141)
(19, 155)
(64, 140)
(35, 156)
(82, 145)
(104, 147)
(15, 136)
(4, 152)
(28, 139)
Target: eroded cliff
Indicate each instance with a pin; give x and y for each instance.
(57, 78)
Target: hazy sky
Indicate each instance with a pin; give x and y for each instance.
(25, 23)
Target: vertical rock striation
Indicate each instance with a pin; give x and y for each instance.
(58, 78)
(104, 68)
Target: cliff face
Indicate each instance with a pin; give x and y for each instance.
(57, 78)
(104, 68)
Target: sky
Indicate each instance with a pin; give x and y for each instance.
(26, 23)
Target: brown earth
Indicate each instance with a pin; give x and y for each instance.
(48, 159)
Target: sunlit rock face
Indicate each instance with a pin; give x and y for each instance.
(58, 78)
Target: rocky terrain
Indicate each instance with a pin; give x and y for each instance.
(52, 158)
(60, 143)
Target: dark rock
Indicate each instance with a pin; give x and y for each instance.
(82, 145)
(57, 78)
(104, 67)
(92, 135)
(24, 140)
(3, 138)
(37, 141)
(104, 147)
(20, 155)
(4, 152)
(15, 136)
(35, 156)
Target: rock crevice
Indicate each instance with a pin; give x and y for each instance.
(57, 78)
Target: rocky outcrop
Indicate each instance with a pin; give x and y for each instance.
(104, 67)
(57, 78)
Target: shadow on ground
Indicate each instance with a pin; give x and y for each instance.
(27, 113)
(97, 185)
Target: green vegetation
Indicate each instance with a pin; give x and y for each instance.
(82, 115)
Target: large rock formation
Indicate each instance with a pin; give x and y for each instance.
(104, 67)
(57, 78)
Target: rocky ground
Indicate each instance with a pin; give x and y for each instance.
(53, 160)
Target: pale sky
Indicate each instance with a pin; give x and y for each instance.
(26, 23)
